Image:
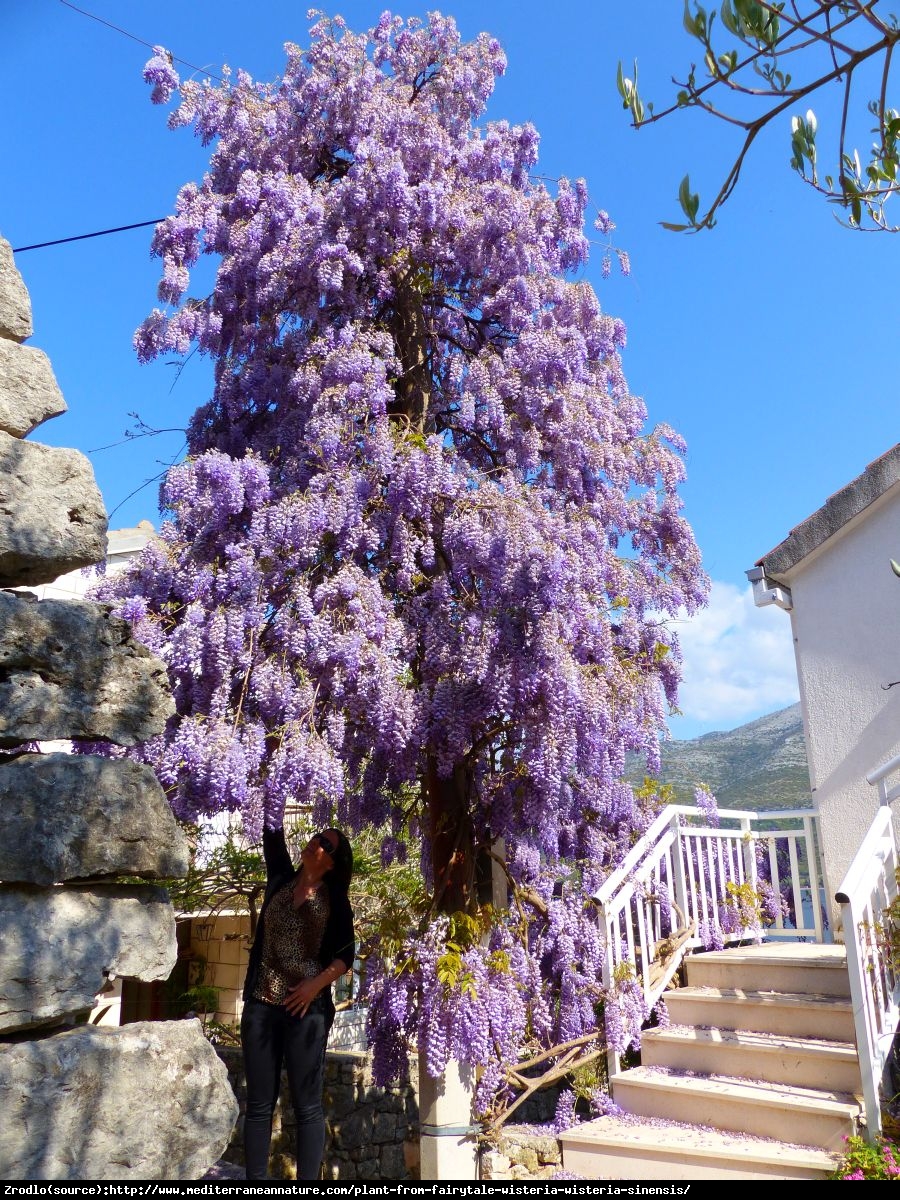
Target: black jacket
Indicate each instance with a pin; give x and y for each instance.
(338, 941)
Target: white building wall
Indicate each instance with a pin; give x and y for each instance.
(121, 546)
(846, 627)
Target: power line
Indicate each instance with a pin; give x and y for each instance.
(140, 224)
(119, 228)
(83, 236)
(118, 29)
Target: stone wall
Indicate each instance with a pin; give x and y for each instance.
(81, 1102)
(522, 1153)
(372, 1133)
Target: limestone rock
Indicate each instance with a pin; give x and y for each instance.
(66, 816)
(52, 518)
(15, 305)
(147, 1101)
(70, 669)
(494, 1165)
(58, 943)
(521, 1155)
(29, 393)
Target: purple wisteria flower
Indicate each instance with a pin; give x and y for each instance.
(160, 71)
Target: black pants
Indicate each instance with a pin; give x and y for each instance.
(271, 1037)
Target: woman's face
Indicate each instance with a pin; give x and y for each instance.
(320, 849)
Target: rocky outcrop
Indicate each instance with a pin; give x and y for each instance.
(58, 944)
(52, 518)
(69, 817)
(29, 393)
(148, 1101)
(15, 304)
(70, 669)
(143, 1101)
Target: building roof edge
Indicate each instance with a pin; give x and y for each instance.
(837, 511)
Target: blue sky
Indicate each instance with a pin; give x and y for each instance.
(767, 343)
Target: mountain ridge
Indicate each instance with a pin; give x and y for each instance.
(760, 765)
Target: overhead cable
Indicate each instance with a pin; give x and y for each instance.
(80, 237)
(118, 29)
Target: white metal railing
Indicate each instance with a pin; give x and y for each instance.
(879, 776)
(866, 891)
(674, 882)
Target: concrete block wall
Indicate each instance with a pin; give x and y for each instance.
(220, 950)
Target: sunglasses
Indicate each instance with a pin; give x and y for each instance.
(325, 843)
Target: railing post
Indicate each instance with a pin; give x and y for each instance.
(680, 880)
(811, 848)
(613, 1066)
(748, 850)
(866, 1038)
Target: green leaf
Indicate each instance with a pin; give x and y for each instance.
(694, 24)
(688, 200)
(620, 84)
(729, 20)
(674, 228)
(684, 191)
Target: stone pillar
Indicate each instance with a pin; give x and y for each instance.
(448, 1149)
(445, 1111)
(147, 1101)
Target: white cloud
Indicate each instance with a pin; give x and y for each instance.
(738, 660)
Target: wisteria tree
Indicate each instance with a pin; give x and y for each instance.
(419, 559)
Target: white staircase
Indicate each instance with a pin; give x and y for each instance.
(757, 1077)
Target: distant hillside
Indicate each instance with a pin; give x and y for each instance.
(759, 765)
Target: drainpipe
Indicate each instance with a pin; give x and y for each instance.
(765, 593)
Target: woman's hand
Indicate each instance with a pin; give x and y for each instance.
(299, 998)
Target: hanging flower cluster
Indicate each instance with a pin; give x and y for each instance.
(423, 545)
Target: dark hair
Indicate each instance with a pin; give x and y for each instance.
(338, 878)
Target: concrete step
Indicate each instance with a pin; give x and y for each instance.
(772, 1057)
(790, 967)
(828, 1017)
(813, 1117)
(613, 1148)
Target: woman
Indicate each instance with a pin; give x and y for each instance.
(304, 942)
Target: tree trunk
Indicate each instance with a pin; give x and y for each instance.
(409, 327)
(452, 838)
